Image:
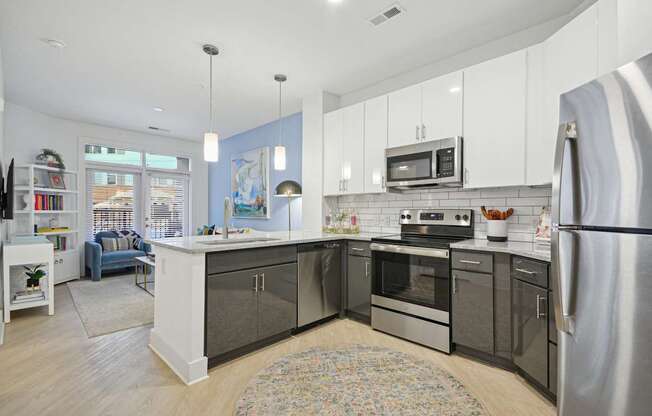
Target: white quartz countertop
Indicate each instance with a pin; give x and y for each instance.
(197, 244)
(518, 248)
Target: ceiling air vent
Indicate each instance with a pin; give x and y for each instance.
(158, 129)
(385, 15)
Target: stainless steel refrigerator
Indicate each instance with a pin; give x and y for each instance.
(602, 245)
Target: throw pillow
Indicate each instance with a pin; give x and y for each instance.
(115, 244)
(133, 237)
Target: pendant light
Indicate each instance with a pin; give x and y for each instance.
(279, 150)
(211, 139)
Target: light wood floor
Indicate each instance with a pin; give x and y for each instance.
(49, 367)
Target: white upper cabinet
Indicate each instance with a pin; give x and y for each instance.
(441, 111)
(375, 143)
(404, 116)
(634, 29)
(570, 60)
(333, 153)
(344, 150)
(538, 169)
(431, 110)
(494, 122)
(353, 148)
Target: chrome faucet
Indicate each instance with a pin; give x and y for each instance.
(228, 212)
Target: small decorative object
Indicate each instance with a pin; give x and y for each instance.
(53, 222)
(50, 158)
(289, 190)
(28, 200)
(56, 180)
(496, 223)
(35, 274)
(543, 227)
(250, 184)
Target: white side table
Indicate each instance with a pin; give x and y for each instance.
(23, 253)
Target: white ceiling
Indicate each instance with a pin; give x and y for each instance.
(124, 57)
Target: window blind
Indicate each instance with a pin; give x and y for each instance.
(168, 206)
(110, 201)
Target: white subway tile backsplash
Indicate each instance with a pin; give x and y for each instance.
(379, 212)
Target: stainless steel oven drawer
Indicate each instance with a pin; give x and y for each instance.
(413, 329)
(473, 262)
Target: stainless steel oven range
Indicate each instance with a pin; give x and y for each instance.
(411, 275)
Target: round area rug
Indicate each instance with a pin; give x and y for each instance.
(356, 380)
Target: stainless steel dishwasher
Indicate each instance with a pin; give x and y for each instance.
(320, 275)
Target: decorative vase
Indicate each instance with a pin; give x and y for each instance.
(497, 230)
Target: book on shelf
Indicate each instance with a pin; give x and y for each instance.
(48, 202)
(60, 242)
(24, 296)
(51, 229)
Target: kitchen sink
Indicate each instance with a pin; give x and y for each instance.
(237, 241)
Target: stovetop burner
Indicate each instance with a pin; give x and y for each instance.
(436, 228)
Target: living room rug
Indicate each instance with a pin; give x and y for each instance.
(357, 380)
(112, 304)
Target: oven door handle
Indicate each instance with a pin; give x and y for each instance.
(415, 251)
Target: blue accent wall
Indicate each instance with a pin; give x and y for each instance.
(219, 174)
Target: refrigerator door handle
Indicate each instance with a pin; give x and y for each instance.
(561, 259)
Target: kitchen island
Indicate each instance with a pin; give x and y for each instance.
(182, 267)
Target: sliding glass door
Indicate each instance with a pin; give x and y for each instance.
(166, 211)
(112, 201)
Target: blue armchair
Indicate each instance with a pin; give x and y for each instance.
(98, 261)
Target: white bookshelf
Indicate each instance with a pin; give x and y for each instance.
(32, 180)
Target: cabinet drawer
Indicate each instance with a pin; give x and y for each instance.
(228, 261)
(359, 248)
(474, 262)
(531, 271)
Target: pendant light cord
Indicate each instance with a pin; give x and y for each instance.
(280, 113)
(210, 106)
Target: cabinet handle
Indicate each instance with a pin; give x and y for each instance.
(423, 131)
(357, 249)
(262, 282)
(466, 176)
(470, 262)
(384, 182)
(454, 283)
(516, 269)
(366, 269)
(417, 135)
(539, 313)
(255, 288)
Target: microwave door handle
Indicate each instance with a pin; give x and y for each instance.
(562, 259)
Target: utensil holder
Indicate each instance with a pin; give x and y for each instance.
(497, 230)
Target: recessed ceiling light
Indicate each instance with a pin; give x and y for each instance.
(54, 43)
(455, 89)
(158, 109)
(335, 1)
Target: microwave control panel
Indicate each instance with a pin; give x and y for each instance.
(446, 162)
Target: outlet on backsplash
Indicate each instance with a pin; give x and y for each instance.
(379, 212)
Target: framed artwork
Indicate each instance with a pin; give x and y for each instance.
(56, 180)
(250, 184)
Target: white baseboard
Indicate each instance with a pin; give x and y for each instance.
(189, 372)
(2, 329)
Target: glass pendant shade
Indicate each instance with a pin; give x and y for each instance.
(211, 149)
(279, 157)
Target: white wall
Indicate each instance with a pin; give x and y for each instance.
(2, 157)
(27, 132)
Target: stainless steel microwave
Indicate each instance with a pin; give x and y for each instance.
(425, 165)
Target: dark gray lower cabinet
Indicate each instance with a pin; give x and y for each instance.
(552, 358)
(231, 311)
(359, 285)
(530, 330)
(247, 306)
(473, 310)
(277, 300)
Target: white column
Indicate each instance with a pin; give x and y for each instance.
(312, 172)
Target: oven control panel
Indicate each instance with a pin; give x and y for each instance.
(458, 217)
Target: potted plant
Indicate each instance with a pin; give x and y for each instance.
(35, 274)
(50, 158)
